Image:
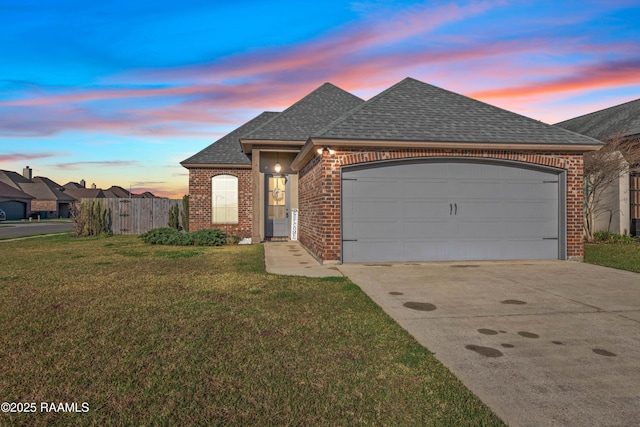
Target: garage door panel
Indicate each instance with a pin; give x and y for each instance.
(432, 249)
(372, 209)
(426, 188)
(434, 208)
(14, 209)
(461, 210)
(426, 229)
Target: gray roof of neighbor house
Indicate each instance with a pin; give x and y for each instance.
(415, 111)
(307, 116)
(51, 183)
(41, 191)
(13, 179)
(604, 124)
(11, 193)
(227, 149)
(84, 193)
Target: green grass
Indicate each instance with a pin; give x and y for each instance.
(151, 335)
(620, 256)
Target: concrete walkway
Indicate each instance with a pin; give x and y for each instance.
(291, 259)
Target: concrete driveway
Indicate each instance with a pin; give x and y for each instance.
(541, 343)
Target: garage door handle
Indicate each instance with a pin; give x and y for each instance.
(450, 208)
(456, 209)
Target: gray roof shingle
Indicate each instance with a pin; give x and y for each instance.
(11, 193)
(607, 123)
(227, 150)
(415, 111)
(311, 113)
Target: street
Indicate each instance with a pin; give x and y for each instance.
(14, 229)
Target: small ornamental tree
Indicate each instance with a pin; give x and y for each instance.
(174, 215)
(185, 212)
(602, 168)
(90, 218)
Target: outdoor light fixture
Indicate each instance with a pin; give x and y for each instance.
(327, 149)
(277, 167)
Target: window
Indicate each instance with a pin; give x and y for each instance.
(224, 199)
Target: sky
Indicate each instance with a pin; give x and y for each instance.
(120, 92)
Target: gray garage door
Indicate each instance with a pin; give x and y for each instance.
(454, 210)
(14, 209)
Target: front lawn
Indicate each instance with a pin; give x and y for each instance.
(152, 335)
(620, 256)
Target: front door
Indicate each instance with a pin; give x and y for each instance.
(277, 206)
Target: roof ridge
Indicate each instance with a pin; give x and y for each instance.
(416, 109)
(598, 111)
(357, 108)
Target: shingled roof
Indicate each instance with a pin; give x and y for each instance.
(227, 149)
(604, 124)
(307, 116)
(11, 193)
(415, 111)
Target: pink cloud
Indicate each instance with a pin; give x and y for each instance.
(595, 76)
(14, 157)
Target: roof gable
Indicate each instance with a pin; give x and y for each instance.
(9, 192)
(607, 123)
(415, 111)
(227, 149)
(308, 115)
(13, 179)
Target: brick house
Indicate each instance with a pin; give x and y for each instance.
(416, 173)
(619, 209)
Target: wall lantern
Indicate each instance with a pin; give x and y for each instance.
(331, 152)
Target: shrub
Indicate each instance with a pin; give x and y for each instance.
(185, 212)
(212, 237)
(608, 237)
(165, 236)
(174, 214)
(91, 218)
(171, 236)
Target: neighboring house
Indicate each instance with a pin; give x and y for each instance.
(49, 198)
(46, 194)
(15, 203)
(619, 211)
(79, 191)
(416, 173)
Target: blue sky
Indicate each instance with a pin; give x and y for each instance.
(119, 92)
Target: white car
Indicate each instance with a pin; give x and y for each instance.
(3, 215)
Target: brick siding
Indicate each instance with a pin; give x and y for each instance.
(200, 204)
(319, 191)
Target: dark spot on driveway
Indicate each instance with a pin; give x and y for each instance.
(378, 265)
(485, 351)
(557, 342)
(488, 332)
(505, 345)
(528, 334)
(464, 266)
(512, 301)
(602, 352)
(396, 293)
(420, 306)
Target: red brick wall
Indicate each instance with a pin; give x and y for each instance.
(319, 191)
(200, 200)
(45, 205)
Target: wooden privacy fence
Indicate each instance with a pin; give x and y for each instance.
(136, 216)
(634, 193)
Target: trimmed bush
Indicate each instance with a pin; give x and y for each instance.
(171, 236)
(608, 237)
